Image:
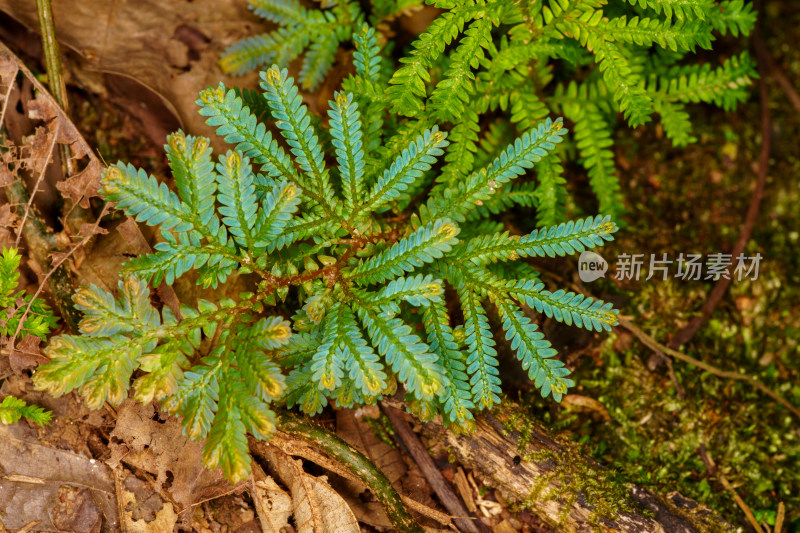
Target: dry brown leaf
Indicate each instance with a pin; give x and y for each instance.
(26, 354)
(273, 504)
(160, 520)
(317, 507)
(37, 488)
(170, 46)
(159, 447)
(50, 127)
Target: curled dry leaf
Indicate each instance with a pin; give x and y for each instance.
(51, 127)
(317, 508)
(273, 504)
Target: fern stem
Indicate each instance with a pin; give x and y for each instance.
(356, 462)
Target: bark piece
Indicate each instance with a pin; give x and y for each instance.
(580, 490)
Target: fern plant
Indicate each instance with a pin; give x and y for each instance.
(37, 321)
(317, 32)
(352, 263)
(586, 60)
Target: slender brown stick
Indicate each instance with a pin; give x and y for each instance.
(684, 335)
(779, 518)
(451, 502)
(654, 345)
(712, 470)
(354, 460)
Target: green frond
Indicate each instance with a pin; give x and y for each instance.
(551, 192)
(302, 391)
(409, 166)
(179, 254)
(143, 197)
(734, 16)
(238, 126)
(566, 307)
(407, 85)
(39, 319)
(645, 31)
(565, 239)
(362, 363)
(533, 350)
(593, 138)
(680, 9)
(460, 158)
(9, 274)
(451, 95)
(629, 94)
(419, 291)
(675, 119)
(318, 60)
(283, 12)
(260, 50)
(197, 398)
(276, 214)
(105, 316)
(345, 128)
(328, 362)
(481, 356)
(366, 57)
(410, 358)
(428, 243)
(226, 442)
(457, 200)
(13, 409)
(292, 118)
(457, 398)
(164, 369)
(237, 196)
(193, 171)
(724, 86)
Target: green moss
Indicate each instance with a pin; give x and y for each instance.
(602, 489)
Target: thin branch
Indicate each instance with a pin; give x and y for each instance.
(451, 502)
(654, 345)
(714, 471)
(55, 79)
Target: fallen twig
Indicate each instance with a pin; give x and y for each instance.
(55, 80)
(654, 345)
(451, 502)
(714, 471)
